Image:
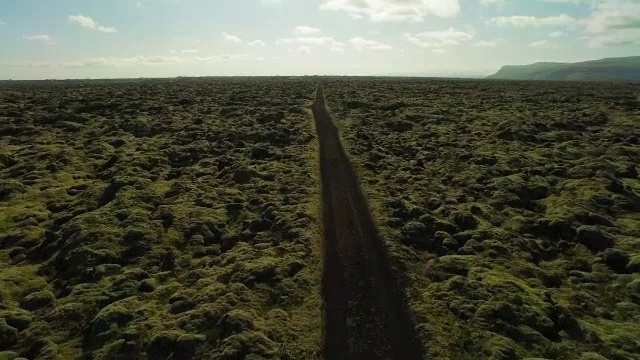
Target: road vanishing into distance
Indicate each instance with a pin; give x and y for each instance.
(365, 312)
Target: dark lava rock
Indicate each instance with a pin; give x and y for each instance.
(147, 286)
(8, 160)
(42, 349)
(594, 238)
(416, 233)
(181, 306)
(565, 320)
(243, 176)
(19, 321)
(160, 347)
(465, 221)
(597, 219)
(615, 259)
(38, 300)
(592, 356)
(9, 187)
(235, 321)
(8, 335)
(260, 153)
(634, 265)
(553, 229)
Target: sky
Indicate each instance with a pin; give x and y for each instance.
(57, 39)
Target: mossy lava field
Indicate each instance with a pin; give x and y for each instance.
(207, 218)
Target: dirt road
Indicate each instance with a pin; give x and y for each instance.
(365, 312)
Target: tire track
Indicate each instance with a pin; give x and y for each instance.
(365, 312)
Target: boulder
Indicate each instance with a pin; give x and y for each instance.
(594, 238)
(173, 345)
(616, 259)
(416, 234)
(8, 335)
(592, 356)
(634, 264)
(465, 221)
(37, 300)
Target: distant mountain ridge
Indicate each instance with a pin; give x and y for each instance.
(610, 69)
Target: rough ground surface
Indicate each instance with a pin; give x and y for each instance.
(159, 219)
(514, 206)
(365, 312)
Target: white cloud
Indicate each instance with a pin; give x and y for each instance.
(270, 1)
(544, 44)
(492, 2)
(138, 4)
(189, 51)
(435, 39)
(524, 21)
(336, 49)
(2, 23)
(614, 22)
(310, 40)
(103, 62)
(305, 30)
(304, 49)
(84, 21)
(107, 29)
(40, 37)
(257, 43)
(576, 2)
(363, 44)
(556, 34)
(394, 10)
(88, 23)
(485, 43)
(439, 51)
(127, 61)
(216, 58)
(231, 38)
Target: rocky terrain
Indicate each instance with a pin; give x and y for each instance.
(512, 208)
(159, 219)
(180, 219)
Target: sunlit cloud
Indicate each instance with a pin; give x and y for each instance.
(435, 39)
(394, 10)
(231, 38)
(525, 21)
(363, 44)
(257, 43)
(88, 23)
(305, 30)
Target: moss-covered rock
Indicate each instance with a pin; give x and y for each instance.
(594, 238)
(38, 300)
(616, 259)
(8, 335)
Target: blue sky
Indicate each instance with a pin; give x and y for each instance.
(158, 38)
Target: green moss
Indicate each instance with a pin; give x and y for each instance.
(128, 204)
(516, 179)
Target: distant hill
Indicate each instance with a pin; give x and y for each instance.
(611, 69)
